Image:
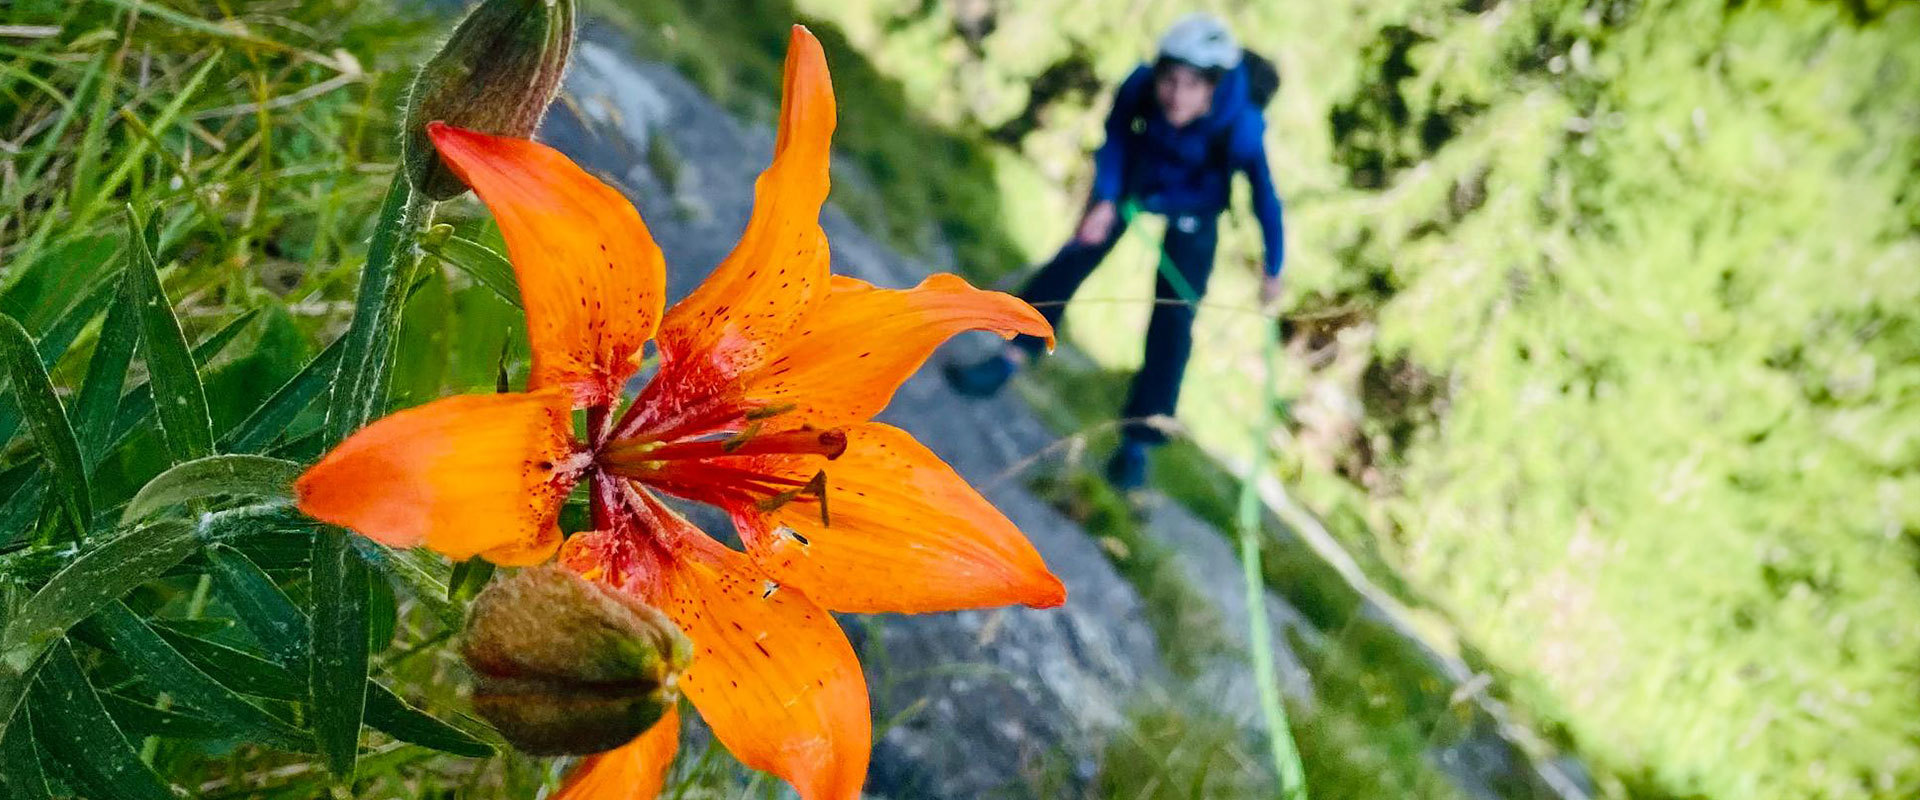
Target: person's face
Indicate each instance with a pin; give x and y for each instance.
(1184, 93)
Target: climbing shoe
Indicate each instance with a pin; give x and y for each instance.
(981, 379)
(1127, 470)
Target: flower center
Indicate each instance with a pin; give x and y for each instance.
(768, 470)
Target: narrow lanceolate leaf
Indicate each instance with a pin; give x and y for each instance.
(46, 417)
(136, 406)
(422, 573)
(179, 399)
(21, 777)
(53, 344)
(258, 476)
(272, 418)
(394, 717)
(486, 267)
(92, 581)
(164, 669)
(337, 677)
(74, 729)
(138, 719)
(106, 373)
(240, 671)
(266, 611)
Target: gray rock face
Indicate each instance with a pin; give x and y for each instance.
(1010, 702)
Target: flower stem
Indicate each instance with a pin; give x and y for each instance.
(339, 577)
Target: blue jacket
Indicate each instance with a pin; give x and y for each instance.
(1189, 170)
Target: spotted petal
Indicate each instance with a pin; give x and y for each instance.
(467, 475)
(591, 277)
(772, 674)
(902, 533)
(853, 352)
(777, 274)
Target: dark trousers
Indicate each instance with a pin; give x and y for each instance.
(1156, 388)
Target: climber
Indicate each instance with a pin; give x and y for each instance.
(1178, 131)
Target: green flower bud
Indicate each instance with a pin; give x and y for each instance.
(564, 666)
(497, 75)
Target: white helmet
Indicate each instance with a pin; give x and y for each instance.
(1201, 40)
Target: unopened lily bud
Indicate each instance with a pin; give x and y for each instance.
(564, 666)
(497, 75)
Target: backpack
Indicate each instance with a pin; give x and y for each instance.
(1263, 78)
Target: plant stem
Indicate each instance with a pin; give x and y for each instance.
(337, 675)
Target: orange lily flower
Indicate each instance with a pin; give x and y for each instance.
(769, 376)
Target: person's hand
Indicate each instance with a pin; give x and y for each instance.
(1097, 224)
(1270, 294)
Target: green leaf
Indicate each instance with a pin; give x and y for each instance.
(276, 623)
(21, 777)
(272, 418)
(178, 396)
(262, 607)
(486, 267)
(137, 718)
(93, 580)
(74, 728)
(46, 417)
(392, 715)
(337, 675)
(99, 397)
(237, 669)
(258, 476)
(137, 404)
(422, 573)
(166, 670)
(469, 577)
(53, 344)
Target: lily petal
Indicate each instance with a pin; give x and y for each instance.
(778, 272)
(590, 275)
(772, 674)
(904, 533)
(855, 350)
(636, 770)
(466, 475)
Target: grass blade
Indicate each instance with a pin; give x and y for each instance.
(164, 669)
(21, 777)
(46, 417)
(92, 581)
(84, 738)
(260, 476)
(178, 396)
(272, 418)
